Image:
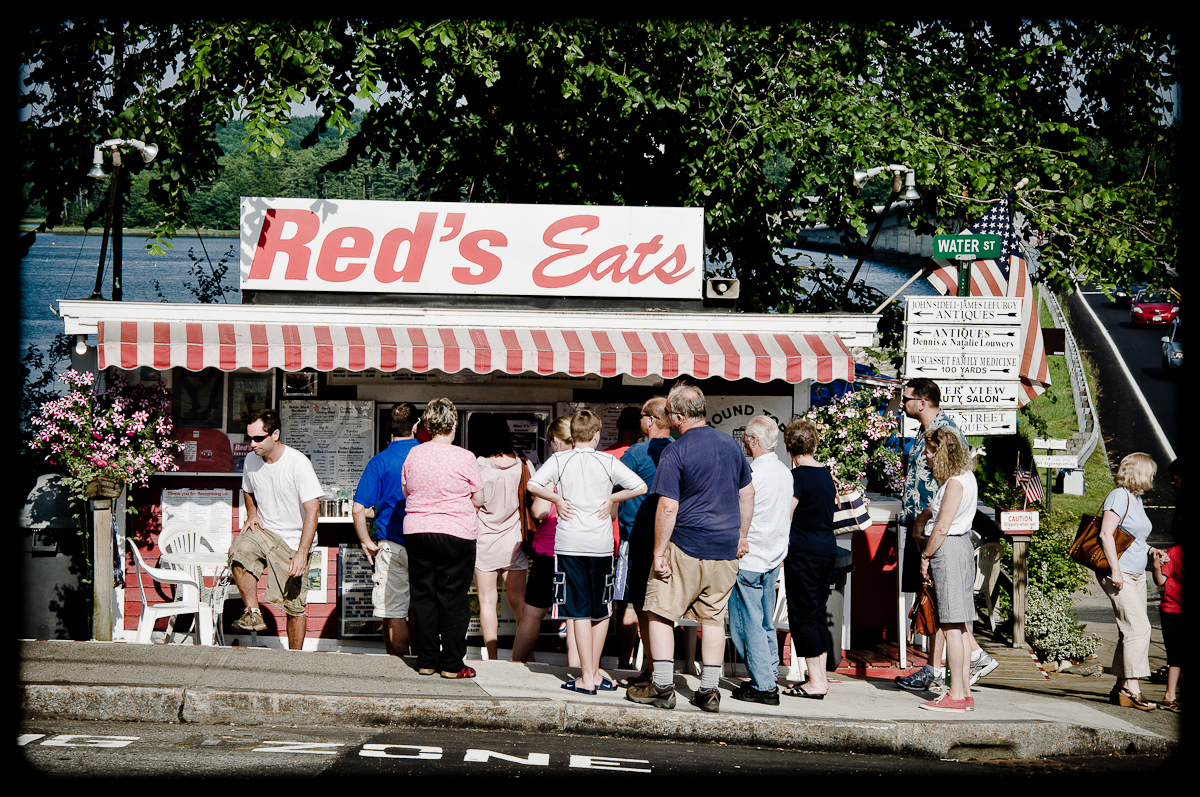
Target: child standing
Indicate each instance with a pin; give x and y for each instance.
(583, 541)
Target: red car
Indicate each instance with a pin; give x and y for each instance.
(1153, 307)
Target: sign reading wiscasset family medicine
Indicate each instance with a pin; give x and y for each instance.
(457, 248)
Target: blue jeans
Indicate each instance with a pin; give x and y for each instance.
(751, 606)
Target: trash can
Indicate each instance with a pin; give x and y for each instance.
(53, 564)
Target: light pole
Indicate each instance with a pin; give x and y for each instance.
(910, 192)
(114, 145)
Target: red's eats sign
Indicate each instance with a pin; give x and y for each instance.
(417, 247)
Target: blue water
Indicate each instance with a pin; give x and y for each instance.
(64, 267)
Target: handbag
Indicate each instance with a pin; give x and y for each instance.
(529, 524)
(851, 513)
(924, 610)
(1087, 550)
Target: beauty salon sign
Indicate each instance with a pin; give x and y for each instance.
(447, 248)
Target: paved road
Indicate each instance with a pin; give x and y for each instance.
(1128, 422)
(110, 749)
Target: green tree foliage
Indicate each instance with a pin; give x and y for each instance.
(762, 124)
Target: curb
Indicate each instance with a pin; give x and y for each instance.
(958, 739)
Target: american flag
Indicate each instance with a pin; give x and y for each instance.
(1008, 276)
(1029, 483)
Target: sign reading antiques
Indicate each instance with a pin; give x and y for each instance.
(456, 248)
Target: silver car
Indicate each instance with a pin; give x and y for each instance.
(1172, 349)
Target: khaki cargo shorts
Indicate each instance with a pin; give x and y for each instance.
(698, 589)
(258, 550)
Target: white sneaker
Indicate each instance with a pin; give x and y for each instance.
(981, 666)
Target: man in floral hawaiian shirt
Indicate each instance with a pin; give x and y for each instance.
(921, 400)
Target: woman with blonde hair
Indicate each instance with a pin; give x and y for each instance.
(949, 558)
(1125, 585)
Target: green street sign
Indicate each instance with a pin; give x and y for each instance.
(966, 247)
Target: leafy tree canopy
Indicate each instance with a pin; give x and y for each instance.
(761, 123)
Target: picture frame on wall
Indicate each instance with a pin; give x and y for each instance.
(248, 393)
(300, 383)
(197, 398)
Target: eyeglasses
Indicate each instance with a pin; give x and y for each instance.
(906, 399)
(258, 438)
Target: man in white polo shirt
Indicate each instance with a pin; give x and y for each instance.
(281, 493)
(752, 603)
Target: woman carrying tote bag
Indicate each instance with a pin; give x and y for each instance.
(1125, 586)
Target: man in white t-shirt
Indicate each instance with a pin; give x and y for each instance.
(281, 491)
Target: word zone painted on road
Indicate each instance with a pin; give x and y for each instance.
(367, 750)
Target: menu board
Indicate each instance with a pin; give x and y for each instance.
(337, 436)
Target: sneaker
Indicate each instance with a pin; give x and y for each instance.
(925, 679)
(707, 699)
(949, 704)
(651, 694)
(251, 620)
(981, 666)
(746, 692)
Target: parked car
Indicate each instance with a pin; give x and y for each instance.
(1172, 348)
(1153, 306)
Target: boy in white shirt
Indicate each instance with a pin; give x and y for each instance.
(583, 540)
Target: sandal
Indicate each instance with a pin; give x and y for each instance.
(643, 677)
(426, 671)
(573, 686)
(1169, 705)
(1134, 700)
(797, 690)
(465, 672)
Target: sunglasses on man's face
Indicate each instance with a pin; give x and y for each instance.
(258, 438)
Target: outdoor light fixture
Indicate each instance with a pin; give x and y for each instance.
(148, 151)
(114, 145)
(910, 193)
(80, 345)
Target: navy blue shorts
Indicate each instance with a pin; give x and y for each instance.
(587, 591)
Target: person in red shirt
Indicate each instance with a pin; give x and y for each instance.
(1168, 575)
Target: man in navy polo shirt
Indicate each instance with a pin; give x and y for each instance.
(379, 490)
(701, 527)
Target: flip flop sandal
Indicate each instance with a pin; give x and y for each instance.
(798, 691)
(573, 687)
(465, 672)
(606, 685)
(426, 671)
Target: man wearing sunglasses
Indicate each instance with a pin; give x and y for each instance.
(281, 493)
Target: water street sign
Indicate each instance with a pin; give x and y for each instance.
(980, 395)
(978, 339)
(971, 422)
(1056, 461)
(966, 247)
(952, 365)
(962, 310)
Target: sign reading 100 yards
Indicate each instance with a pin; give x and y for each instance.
(462, 248)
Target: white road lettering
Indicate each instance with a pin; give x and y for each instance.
(482, 757)
(87, 740)
(378, 751)
(312, 748)
(603, 762)
(26, 738)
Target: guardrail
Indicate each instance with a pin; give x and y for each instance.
(1083, 442)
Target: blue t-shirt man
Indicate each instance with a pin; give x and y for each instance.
(704, 470)
(380, 487)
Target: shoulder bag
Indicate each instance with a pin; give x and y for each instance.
(1087, 550)
(924, 611)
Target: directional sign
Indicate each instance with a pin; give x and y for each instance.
(1049, 443)
(1055, 461)
(938, 366)
(962, 310)
(971, 422)
(966, 247)
(980, 395)
(974, 339)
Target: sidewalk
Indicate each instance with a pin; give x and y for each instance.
(1022, 718)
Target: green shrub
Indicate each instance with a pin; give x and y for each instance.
(1051, 628)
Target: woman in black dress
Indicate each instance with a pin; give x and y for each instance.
(811, 553)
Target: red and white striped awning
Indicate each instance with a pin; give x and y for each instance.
(761, 356)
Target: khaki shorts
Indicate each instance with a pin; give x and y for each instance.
(390, 595)
(698, 589)
(258, 550)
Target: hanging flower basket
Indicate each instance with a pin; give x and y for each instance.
(103, 488)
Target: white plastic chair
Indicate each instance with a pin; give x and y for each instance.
(187, 538)
(187, 600)
(987, 560)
